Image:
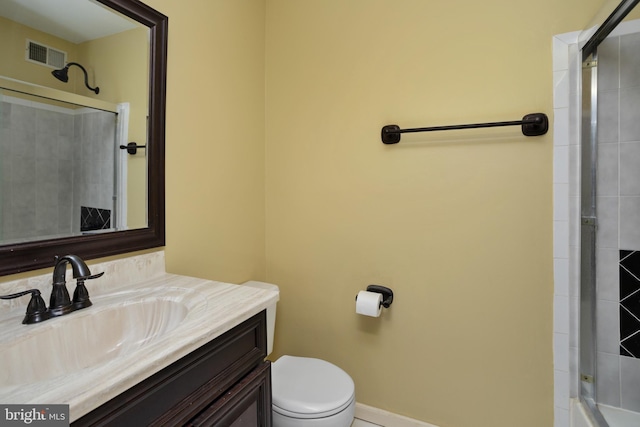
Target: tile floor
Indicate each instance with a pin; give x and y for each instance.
(361, 423)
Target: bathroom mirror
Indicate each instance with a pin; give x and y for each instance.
(36, 252)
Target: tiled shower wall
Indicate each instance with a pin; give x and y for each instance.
(618, 212)
(94, 162)
(51, 162)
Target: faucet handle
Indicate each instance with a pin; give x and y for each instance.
(90, 277)
(81, 294)
(36, 309)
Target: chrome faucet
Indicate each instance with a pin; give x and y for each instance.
(60, 303)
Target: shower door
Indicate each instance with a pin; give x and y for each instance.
(610, 227)
(58, 174)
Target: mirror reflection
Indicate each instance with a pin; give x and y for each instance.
(62, 171)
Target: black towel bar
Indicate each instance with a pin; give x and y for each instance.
(534, 124)
(132, 147)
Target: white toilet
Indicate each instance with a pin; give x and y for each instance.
(307, 392)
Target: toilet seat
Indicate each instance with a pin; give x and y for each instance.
(307, 388)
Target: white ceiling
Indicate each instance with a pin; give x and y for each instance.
(76, 21)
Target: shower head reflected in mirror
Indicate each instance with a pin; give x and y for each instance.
(63, 75)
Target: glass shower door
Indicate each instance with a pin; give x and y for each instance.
(610, 229)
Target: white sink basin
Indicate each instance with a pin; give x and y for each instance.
(141, 321)
(86, 338)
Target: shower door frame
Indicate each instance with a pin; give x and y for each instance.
(588, 214)
(588, 223)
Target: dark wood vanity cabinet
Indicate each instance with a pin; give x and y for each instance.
(226, 382)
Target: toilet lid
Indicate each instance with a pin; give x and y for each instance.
(306, 387)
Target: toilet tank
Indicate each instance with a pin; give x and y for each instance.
(271, 311)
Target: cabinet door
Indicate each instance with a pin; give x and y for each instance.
(185, 388)
(247, 404)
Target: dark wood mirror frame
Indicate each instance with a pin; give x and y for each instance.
(27, 256)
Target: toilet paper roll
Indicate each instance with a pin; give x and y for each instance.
(369, 303)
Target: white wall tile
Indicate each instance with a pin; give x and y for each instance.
(573, 172)
(567, 38)
(561, 276)
(608, 64)
(607, 274)
(629, 230)
(561, 394)
(607, 179)
(561, 417)
(560, 54)
(629, 381)
(608, 379)
(561, 132)
(561, 314)
(629, 114)
(608, 326)
(608, 116)
(629, 169)
(629, 60)
(561, 239)
(561, 89)
(561, 352)
(607, 230)
(561, 202)
(564, 133)
(560, 164)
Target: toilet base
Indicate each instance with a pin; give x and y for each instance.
(341, 419)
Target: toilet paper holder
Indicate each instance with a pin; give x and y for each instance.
(387, 294)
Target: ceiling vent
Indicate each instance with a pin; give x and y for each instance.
(45, 55)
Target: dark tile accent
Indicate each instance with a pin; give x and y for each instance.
(628, 283)
(632, 345)
(629, 324)
(632, 303)
(624, 254)
(629, 270)
(94, 219)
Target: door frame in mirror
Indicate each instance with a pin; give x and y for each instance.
(20, 257)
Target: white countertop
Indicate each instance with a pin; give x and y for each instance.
(213, 308)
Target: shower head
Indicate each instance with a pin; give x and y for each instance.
(63, 75)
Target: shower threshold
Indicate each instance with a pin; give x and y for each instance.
(617, 417)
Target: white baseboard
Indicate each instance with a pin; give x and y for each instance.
(387, 419)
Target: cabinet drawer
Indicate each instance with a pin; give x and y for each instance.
(247, 404)
(180, 391)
